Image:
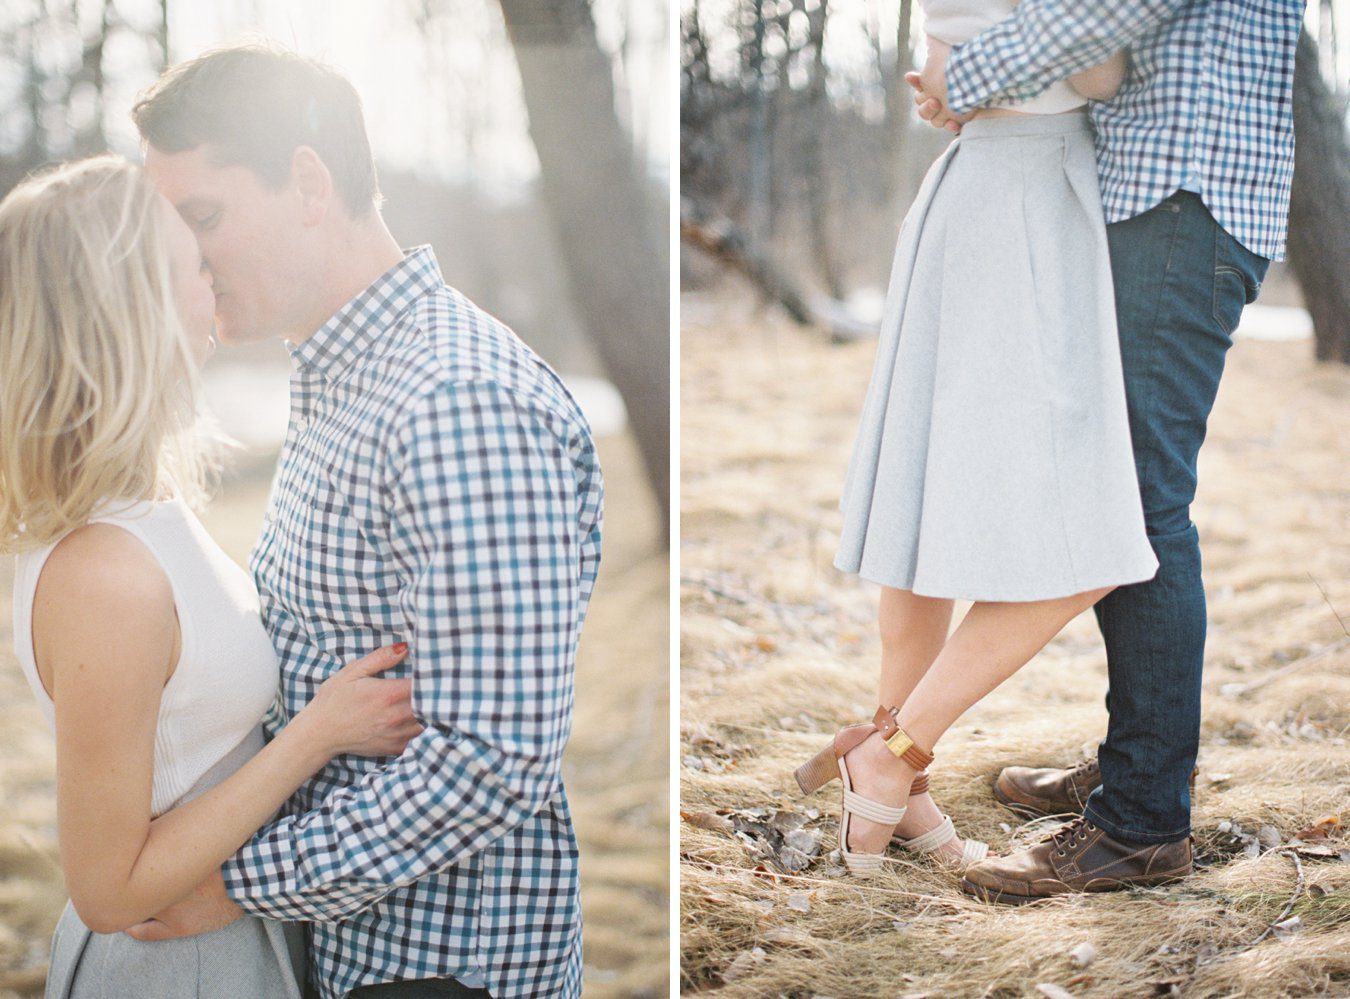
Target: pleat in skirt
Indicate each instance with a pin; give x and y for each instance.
(993, 459)
(251, 957)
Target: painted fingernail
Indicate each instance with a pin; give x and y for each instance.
(400, 648)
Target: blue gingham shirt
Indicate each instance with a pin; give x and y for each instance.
(438, 485)
(1208, 93)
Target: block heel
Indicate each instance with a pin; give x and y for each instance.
(818, 771)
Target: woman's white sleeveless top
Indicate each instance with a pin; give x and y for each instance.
(212, 706)
(957, 21)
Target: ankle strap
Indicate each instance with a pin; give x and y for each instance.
(897, 741)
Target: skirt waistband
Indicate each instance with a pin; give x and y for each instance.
(1040, 124)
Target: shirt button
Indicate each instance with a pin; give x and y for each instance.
(302, 426)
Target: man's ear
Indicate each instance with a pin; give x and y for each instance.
(314, 183)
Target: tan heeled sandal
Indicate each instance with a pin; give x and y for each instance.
(939, 836)
(829, 763)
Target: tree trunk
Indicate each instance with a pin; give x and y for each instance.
(162, 33)
(759, 187)
(899, 113)
(35, 145)
(92, 138)
(721, 240)
(617, 261)
(816, 173)
(1319, 207)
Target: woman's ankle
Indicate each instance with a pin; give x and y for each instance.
(880, 767)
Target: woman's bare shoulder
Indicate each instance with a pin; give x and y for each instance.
(104, 561)
(101, 580)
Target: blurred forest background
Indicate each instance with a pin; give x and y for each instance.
(529, 144)
(800, 152)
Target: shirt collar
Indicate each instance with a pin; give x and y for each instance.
(357, 325)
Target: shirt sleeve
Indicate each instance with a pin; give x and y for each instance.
(487, 520)
(1043, 41)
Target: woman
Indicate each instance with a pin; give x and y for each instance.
(993, 463)
(140, 638)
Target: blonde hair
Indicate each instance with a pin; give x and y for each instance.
(98, 388)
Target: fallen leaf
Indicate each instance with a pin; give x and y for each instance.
(743, 964)
(1053, 991)
(1288, 927)
(1316, 850)
(805, 840)
(790, 935)
(786, 822)
(1083, 955)
(709, 820)
(1324, 828)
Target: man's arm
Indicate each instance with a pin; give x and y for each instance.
(1043, 41)
(484, 516)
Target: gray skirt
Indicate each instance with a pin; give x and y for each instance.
(252, 957)
(993, 461)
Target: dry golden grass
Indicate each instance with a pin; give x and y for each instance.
(615, 771)
(778, 649)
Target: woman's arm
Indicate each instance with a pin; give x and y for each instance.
(1100, 82)
(106, 633)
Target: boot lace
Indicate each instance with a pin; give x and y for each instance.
(1086, 768)
(1070, 835)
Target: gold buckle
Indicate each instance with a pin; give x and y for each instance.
(899, 743)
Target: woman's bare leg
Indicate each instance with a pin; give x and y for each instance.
(913, 632)
(993, 642)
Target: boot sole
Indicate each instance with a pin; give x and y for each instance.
(987, 894)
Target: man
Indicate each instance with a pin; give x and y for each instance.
(438, 485)
(1195, 155)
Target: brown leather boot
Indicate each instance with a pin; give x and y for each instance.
(1047, 791)
(1078, 857)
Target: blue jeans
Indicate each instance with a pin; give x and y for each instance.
(1181, 283)
(428, 988)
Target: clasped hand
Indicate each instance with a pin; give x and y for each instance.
(930, 89)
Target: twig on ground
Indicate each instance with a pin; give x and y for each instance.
(715, 590)
(1270, 927)
(1332, 606)
(1239, 689)
(861, 889)
(746, 600)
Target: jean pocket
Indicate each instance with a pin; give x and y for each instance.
(1230, 297)
(1237, 279)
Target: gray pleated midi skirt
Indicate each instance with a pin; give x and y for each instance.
(993, 460)
(252, 957)
(257, 958)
